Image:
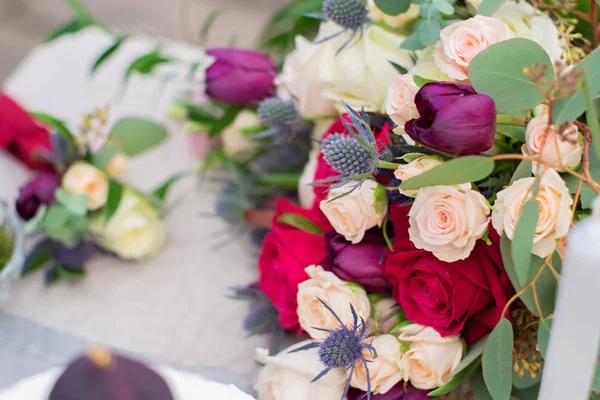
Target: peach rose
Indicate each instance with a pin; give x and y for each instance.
(83, 178)
(118, 165)
(431, 358)
(555, 210)
(386, 370)
(553, 148)
(448, 221)
(288, 376)
(461, 42)
(355, 213)
(338, 294)
(381, 309)
(393, 21)
(400, 102)
(414, 168)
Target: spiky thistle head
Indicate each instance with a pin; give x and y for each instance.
(349, 14)
(348, 156)
(343, 348)
(276, 112)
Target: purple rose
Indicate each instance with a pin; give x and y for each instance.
(454, 119)
(240, 77)
(38, 191)
(361, 263)
(395, 393)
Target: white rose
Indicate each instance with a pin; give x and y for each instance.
(400, 102)
(118, 165)
(430, 358)
(426, 66)
(554, 201)
(394, 21)
(552, 147)
(338, 294)
(134, 232)
(300, 79)
(306, 193)
(415, 168)
(448, 221)
(361, 74)
(83, 178)
(357, 212)
(386, 370)
(381, 309)
(527, 22)
(288, 376)
(237, 145)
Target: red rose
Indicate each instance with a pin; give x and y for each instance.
(21, 136)
(286, 252)
(324, 170)
(465, 296)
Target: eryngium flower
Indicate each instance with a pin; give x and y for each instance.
(348, 156)
(276, 112)
(454, 119)
(349, 14)
(343, 348)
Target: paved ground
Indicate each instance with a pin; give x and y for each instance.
(24, 23)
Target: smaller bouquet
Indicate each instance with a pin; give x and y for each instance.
(79, 206)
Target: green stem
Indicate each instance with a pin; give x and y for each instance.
(388, 165)
(319, 117)
(81, 12)
(510, 120)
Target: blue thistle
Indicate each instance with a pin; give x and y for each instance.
(281, 117)
(348, 156)
(343, 348)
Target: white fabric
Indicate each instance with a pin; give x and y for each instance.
(173, 307)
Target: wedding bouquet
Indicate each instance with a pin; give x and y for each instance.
(76, 205)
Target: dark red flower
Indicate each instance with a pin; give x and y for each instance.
(465, 296)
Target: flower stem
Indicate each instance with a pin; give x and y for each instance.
(510, 120)
(388, 165)
(312, 118)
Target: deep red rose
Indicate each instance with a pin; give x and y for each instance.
(465, 296)
(21, 135)
(324, 170)
(286, 252)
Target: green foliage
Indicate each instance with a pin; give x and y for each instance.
(479, 388)
(214, 121)
(456, 381)
(530, 393)
(160, 193)
(300, 222)
(399, 67)
(39, 256)
(497, 361)
(136, 135)
(82, 19)
(64, 226)
(146, 63)
(473, 354)
(591, 116)
(115, 193)
(523, 240)
(569, 109)
(543, 337)
(208, 23)
(7, 244)
(498, 72)
(76, 205)
(412, 42)
(108, 52)
(428, 31)
(102, 157)
(60, 127)
(514, 132)
(283, 180)
(524, 170)
(453, 172)
(420, 81)
(488, 7)
(393, 7)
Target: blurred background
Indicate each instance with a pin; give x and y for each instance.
(26, 23)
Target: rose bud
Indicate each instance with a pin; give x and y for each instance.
(101, 375)
(37, 192)
(361, 263)
(240, 77)
(454, 119)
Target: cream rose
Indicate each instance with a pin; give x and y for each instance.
(430, 358)
(118, 165)
(461, 42)
(552, 147)
(83, 178)
(236, 144)
(300, 79)
(134, 232)
(394, 21)
(355, 213)
(415, 168)
(306, 193)
(448, 221)
(400, 102)
(386, 370)
(555, 210)
(288, 376)
(426, 66)
(338, 294)
(381, 309)
(361, 74)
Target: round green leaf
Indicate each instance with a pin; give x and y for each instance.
(543, 338)
(393, 7)
(428, 31)
(444, 7)
(497, 361)
(453, 172)
(488, 7)
(498, 72)
(137, 135)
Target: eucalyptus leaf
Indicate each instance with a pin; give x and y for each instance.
(77, 205)
(393, 7)
(524, 170)
(497, 361)
(56, 217)
(106, 54)
(137, 135)
(146, 63)
(412, 42)
(454, 172)
(513, 132)
(473, 354)
(398, 67)
(428, 31)
(488, 7)
(531, 393)
(300, 222)
(479, 388)
(160, 193)
(444, 7)
(115, 193)
(456, 381)
(498, 72)
(523, 240)
(543, 337)
(592, 116)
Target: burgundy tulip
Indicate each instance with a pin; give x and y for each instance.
(454, 119)
(396, 393)
(240, 77)
(40, 190)
(361, 263)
